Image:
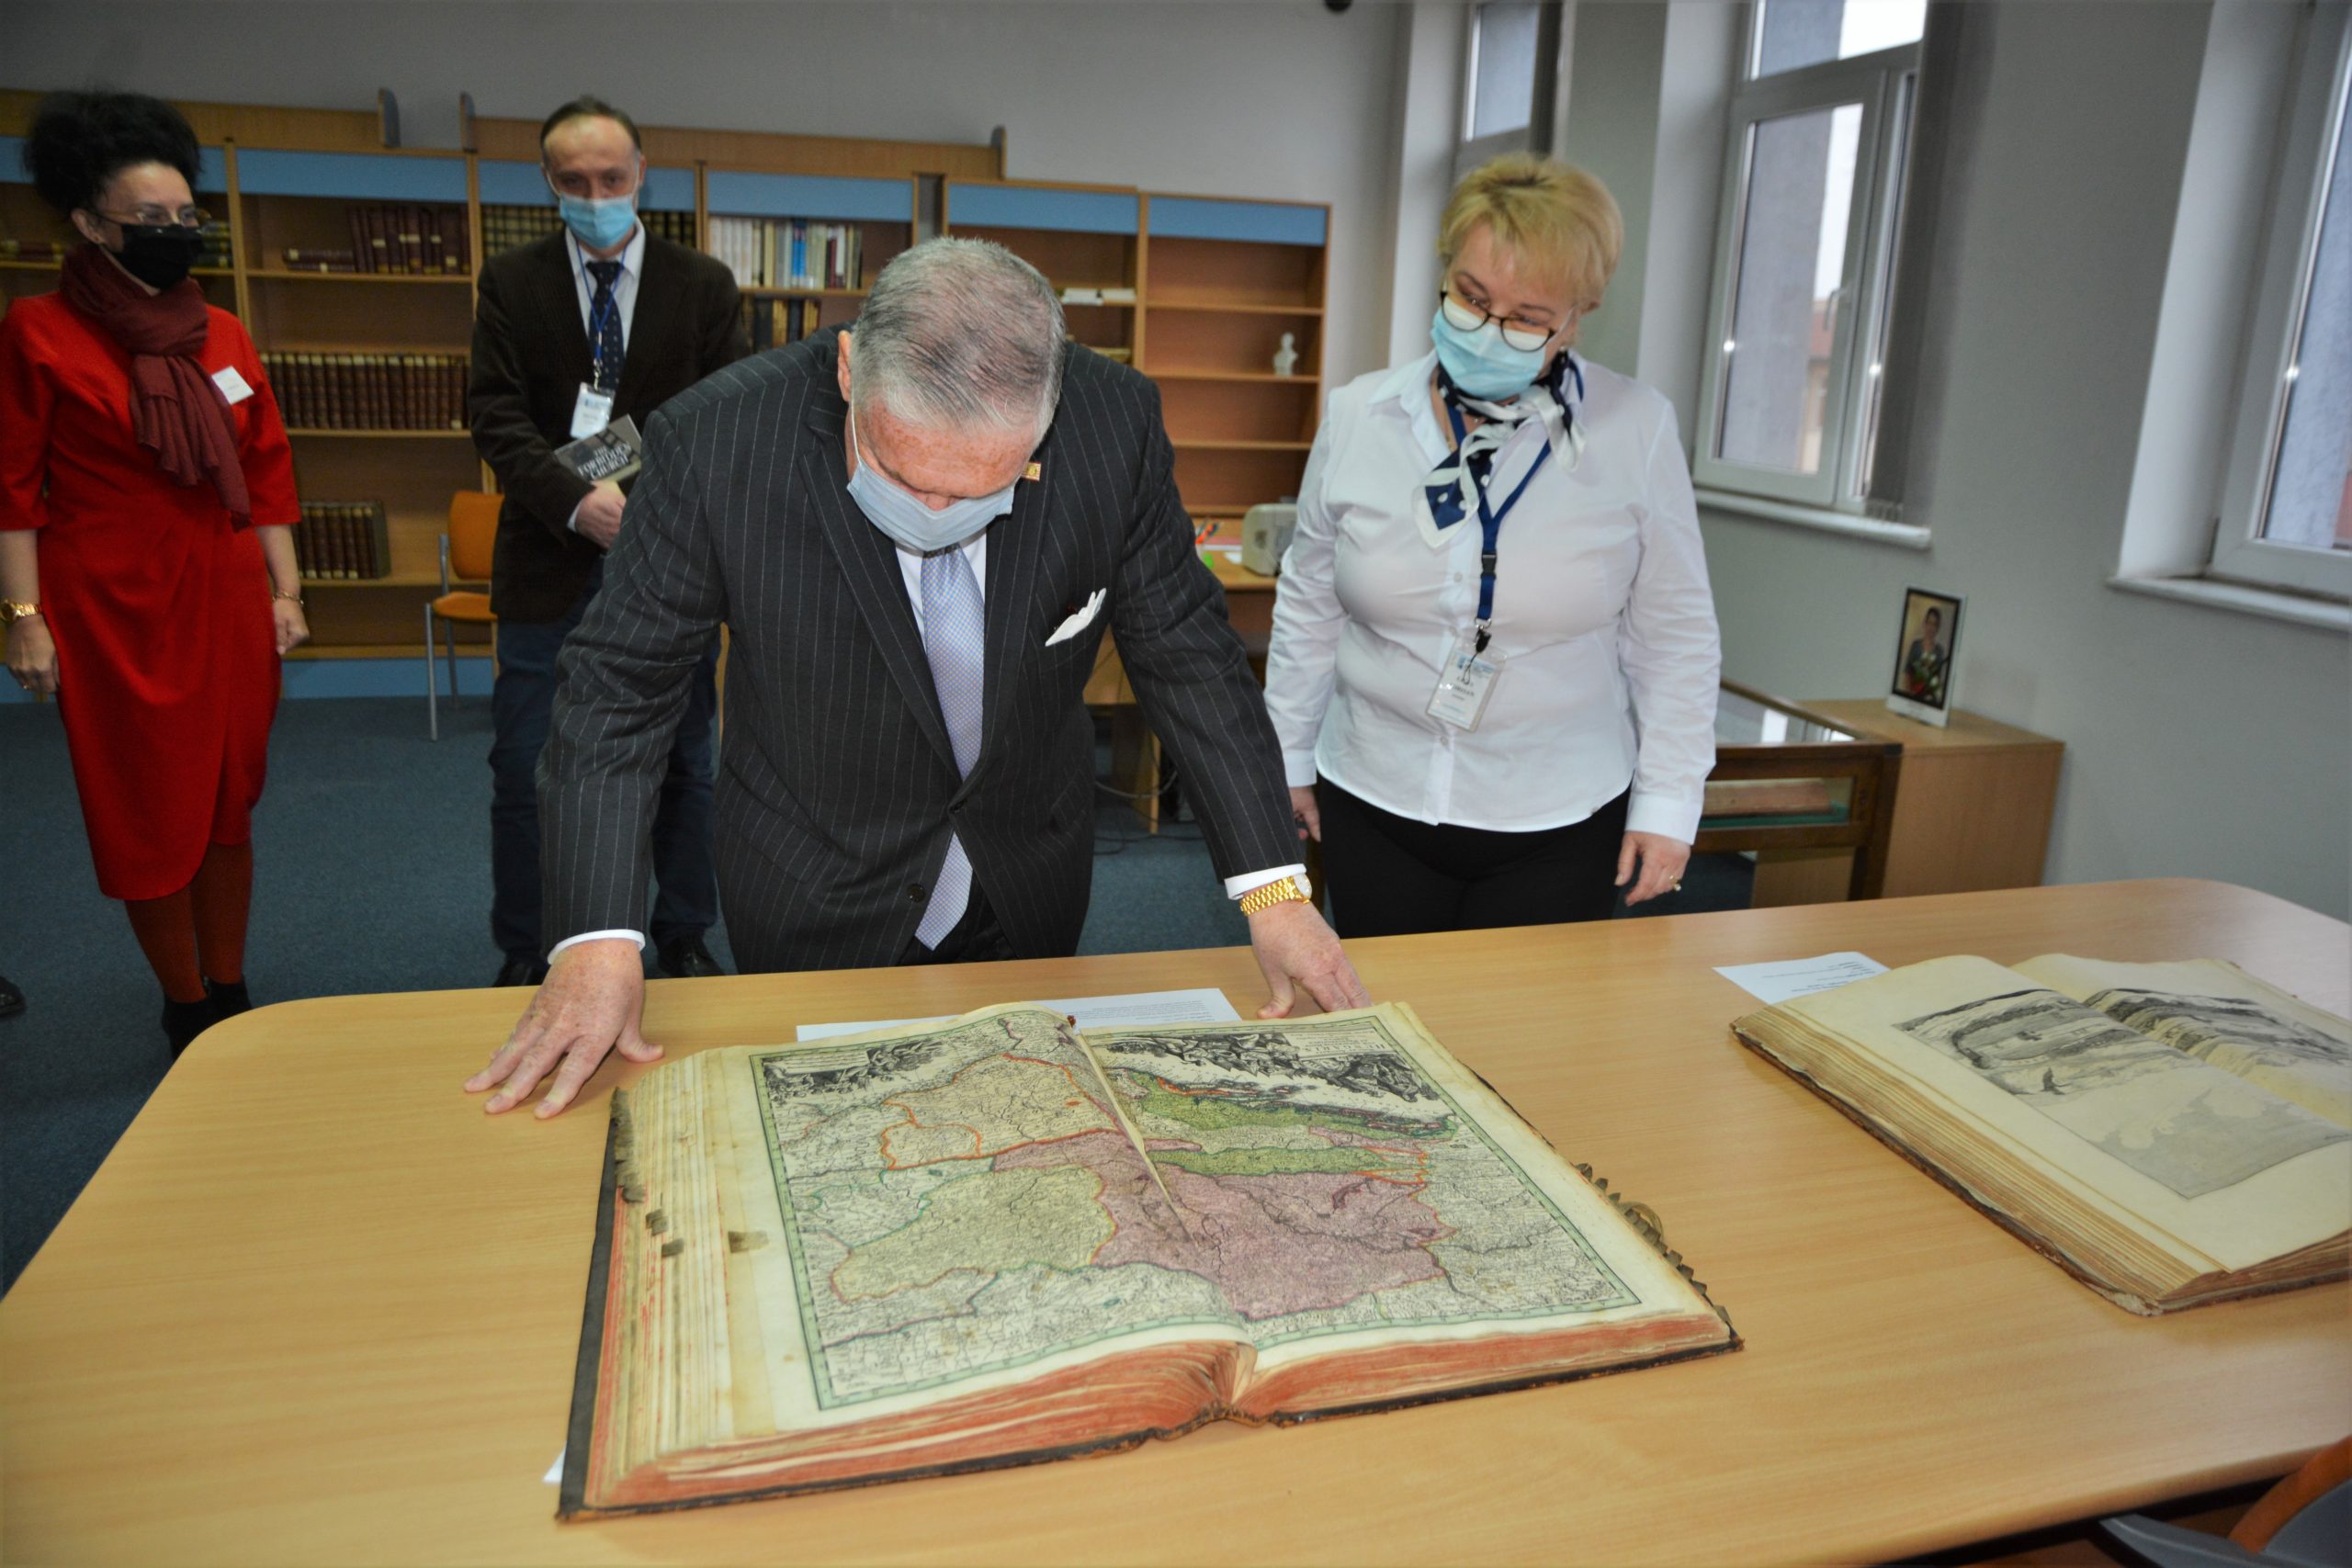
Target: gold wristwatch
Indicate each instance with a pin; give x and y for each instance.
(15, 610)
(1281, 890)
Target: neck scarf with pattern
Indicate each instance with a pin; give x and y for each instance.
(1445, 496)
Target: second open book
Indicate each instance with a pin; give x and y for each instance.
(999, 1240)
(2171, 1133)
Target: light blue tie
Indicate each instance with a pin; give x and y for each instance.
(953, 636)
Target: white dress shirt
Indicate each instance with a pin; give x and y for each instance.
(632, 260)
(976, 551)
(1602, 618)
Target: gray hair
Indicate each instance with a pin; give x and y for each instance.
(956, 333)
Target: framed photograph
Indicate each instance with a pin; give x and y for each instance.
(1925, 654)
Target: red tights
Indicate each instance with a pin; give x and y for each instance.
(198, 933)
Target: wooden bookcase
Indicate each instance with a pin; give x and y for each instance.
(1203, 287)
(1227, 279)
(1085, 238)
(883, 213)
(289, 177)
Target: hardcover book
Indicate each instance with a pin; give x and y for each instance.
(2169, 1133)
(999, 1240)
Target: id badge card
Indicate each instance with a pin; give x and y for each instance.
(1466, 682)
(591, 412)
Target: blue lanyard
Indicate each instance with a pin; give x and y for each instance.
(1490, 524)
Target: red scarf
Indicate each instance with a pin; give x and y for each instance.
(177, 413)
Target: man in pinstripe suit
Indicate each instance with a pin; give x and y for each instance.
(916, 534)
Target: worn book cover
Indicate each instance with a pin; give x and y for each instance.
(999, 1240)
(614, 453)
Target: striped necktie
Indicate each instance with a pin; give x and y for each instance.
(604, 325)
(954, 634)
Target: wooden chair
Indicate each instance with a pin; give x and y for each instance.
(466, 549)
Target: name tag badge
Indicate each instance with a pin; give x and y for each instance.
(1466, 684)
(232, 386)
(591, 412)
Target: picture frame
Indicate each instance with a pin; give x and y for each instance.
(1927, 657)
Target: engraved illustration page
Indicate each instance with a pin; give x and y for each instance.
(2230, 1172)
(1348, 1184)
(2219, 1014)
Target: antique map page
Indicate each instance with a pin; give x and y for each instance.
(2219, 1170)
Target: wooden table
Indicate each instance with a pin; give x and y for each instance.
(315, 1307)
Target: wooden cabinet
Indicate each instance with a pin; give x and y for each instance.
(1972, 810)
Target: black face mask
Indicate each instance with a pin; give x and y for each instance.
(159, 254)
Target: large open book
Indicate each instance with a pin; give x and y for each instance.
(2171, 1133)
(996, 1240)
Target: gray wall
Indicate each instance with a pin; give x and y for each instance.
(2201, 742)
(1279, 98)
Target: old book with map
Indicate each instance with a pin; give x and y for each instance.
(997, 1240)
(2170, 1134)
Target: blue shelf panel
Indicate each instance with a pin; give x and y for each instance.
(1265, 222)
(211, 172)
(512, 183)
(1025, 207)
(736, 194)
(351, 176)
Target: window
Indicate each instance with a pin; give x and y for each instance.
(2286, 514)
(1813, 194)
(1510, 90)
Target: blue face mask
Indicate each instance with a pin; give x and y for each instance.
(908, 521)
(1481, 362)
(599, 223)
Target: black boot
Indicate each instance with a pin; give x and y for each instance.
(183, 1021)
(230, 998)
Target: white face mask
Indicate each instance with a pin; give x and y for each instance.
(908, 521)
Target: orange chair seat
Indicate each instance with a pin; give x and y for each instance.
(465, 604)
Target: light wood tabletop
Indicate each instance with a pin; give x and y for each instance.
(316, 1307)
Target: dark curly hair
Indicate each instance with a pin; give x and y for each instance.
(80, 140)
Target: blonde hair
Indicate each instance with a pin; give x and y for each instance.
(1560, 223)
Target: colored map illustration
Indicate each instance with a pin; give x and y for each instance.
(970, 1199)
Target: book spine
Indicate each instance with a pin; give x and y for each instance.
(379, 540)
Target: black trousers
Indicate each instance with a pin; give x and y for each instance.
(1389, 875)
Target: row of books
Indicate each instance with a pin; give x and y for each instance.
(504, 228)
(369, 392)
(341, 541)
(401, 236)
(215, 251)
(775, 323)
(789, 253)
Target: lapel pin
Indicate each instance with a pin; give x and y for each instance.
(1033, 471)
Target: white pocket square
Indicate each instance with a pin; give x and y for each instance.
(1080, 620)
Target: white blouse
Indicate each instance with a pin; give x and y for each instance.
(1602, 618)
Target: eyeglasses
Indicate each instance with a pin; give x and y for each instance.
(1520, 335)
(160, 218)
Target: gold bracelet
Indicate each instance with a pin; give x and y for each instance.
(295, 597)
(1281, 890)
(15, 610)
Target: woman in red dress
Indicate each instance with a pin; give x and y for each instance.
(146, 552)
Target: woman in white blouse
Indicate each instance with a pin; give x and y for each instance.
(1494, 660)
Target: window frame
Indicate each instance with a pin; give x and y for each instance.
(2314, 119)
(1543, 99)
(1884, 82)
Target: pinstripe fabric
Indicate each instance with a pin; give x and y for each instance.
(838, 787)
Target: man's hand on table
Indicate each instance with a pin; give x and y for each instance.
(1297, 952)
(593, 999)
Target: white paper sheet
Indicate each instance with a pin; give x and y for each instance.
(1205, 1005)
(554, 1476)
(1789, 977)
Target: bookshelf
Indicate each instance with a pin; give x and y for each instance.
(1087, 239)
(292, 178)
(804, 247)
(1227, 279)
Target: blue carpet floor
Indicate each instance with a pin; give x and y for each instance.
(371, 873)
